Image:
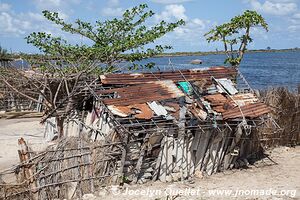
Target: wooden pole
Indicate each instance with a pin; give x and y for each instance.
(28, 171)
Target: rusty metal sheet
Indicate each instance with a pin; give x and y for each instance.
(176, 76)
(121, 111)
(173, 109)
(219, 102)
(198, 112)
(146, 112)
(216, 99)
(147, 92)
(219, 109)
(251, 110)
(140, 111)
(244, 99)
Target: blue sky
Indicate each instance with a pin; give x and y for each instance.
(18, 18)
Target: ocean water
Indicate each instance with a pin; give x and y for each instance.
(262, 70)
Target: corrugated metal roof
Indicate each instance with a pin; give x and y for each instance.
(139, 90)
(219, 102)
(173, 109)
(140, 111)
(143, 93)
(198, 112)
(222, 103)
(244, 99)
(138, 78)
(250, 110)
(216, 99)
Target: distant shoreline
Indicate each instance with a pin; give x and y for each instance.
(13, 56)
(175, 54)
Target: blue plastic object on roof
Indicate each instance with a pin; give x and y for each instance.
(186, 87)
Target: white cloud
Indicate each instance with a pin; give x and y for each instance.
(112, 9)
(19, 24)
(191, 34)
(62, 14)
(283, 1)
(257, 32)
(54, 4)
(275, 7)
(113, 3)
(294, 23)
(287, 10)
(62, 7)
(47, 4)
(170, 1)
(171, 12)
(4, 6)
(22, 24)
(293, 28)
(296, 16)
(9, 25)
(193, 30)
(36, 16)
(112, 12)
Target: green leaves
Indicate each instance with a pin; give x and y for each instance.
(112, 40)
(249, 19)
(237, 31)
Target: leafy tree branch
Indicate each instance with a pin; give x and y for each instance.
(236, 33)
(113, 40)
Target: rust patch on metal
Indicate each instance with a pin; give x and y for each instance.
(198, 112)
(175, 107)
(176, 76)
(219, 102)
(216, 99)
(244, 99)
(140, 111)
(146, 112)
(137, 94)
(250, 110)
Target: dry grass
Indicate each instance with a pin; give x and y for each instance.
(286, 112)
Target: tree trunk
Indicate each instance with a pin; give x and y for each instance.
(244, 45)
(60, 126)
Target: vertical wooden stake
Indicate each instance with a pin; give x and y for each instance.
(28, 172)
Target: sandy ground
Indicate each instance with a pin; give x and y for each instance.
(264, 180)
(11, 130)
